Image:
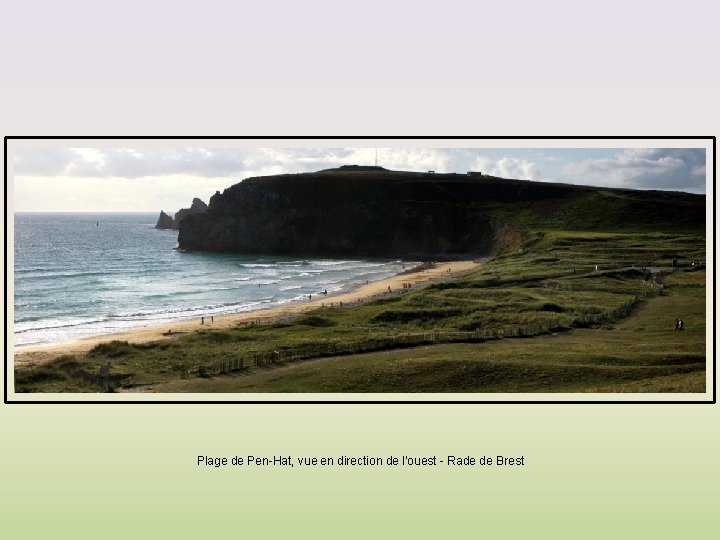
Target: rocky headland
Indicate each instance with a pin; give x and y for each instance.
(355, 211)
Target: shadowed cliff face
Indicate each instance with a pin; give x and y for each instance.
(166, 222)
(371, 212)
(360, 214)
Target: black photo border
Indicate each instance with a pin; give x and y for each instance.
(8, 326)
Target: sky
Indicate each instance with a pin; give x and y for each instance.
(147, 179)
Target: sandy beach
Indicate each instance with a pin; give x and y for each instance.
(418, 276)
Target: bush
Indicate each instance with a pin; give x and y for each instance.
(39, 375)
(390, 299)
(549, 306)
(317, 321)
(65, 362)
(409, 315)
(216, 337)
(112, 349)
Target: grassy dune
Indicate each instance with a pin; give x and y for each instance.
(640, 354)
(572, 311)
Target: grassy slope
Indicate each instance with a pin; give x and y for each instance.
(549, 286)
(640, 354)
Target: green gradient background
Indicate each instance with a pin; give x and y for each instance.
(593, 471)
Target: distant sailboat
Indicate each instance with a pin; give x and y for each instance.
(97, 223)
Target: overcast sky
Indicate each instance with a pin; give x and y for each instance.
(154, 179)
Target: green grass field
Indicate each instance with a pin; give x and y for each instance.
(642, 353)
(569, 312)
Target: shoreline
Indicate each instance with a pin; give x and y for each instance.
(33, 355)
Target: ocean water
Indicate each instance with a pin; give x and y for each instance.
(79, 275)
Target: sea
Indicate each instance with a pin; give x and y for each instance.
(81, 275)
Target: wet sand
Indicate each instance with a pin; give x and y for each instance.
(417, 276)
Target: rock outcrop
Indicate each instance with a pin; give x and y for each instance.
(166, 222)
(197, 207)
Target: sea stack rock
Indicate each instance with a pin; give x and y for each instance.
(165, 222)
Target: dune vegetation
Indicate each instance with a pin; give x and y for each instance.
(558, 311)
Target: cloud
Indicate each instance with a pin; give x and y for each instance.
(507, 167)
(106, 179)
(129, 162)
(295, 160)
(416, 159)
(59, 194)
(43, 161)
(215, 162)
(169, 178)
(642, 168)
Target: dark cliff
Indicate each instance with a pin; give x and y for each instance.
(373, 212)
(166, 222)
(197, 207)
